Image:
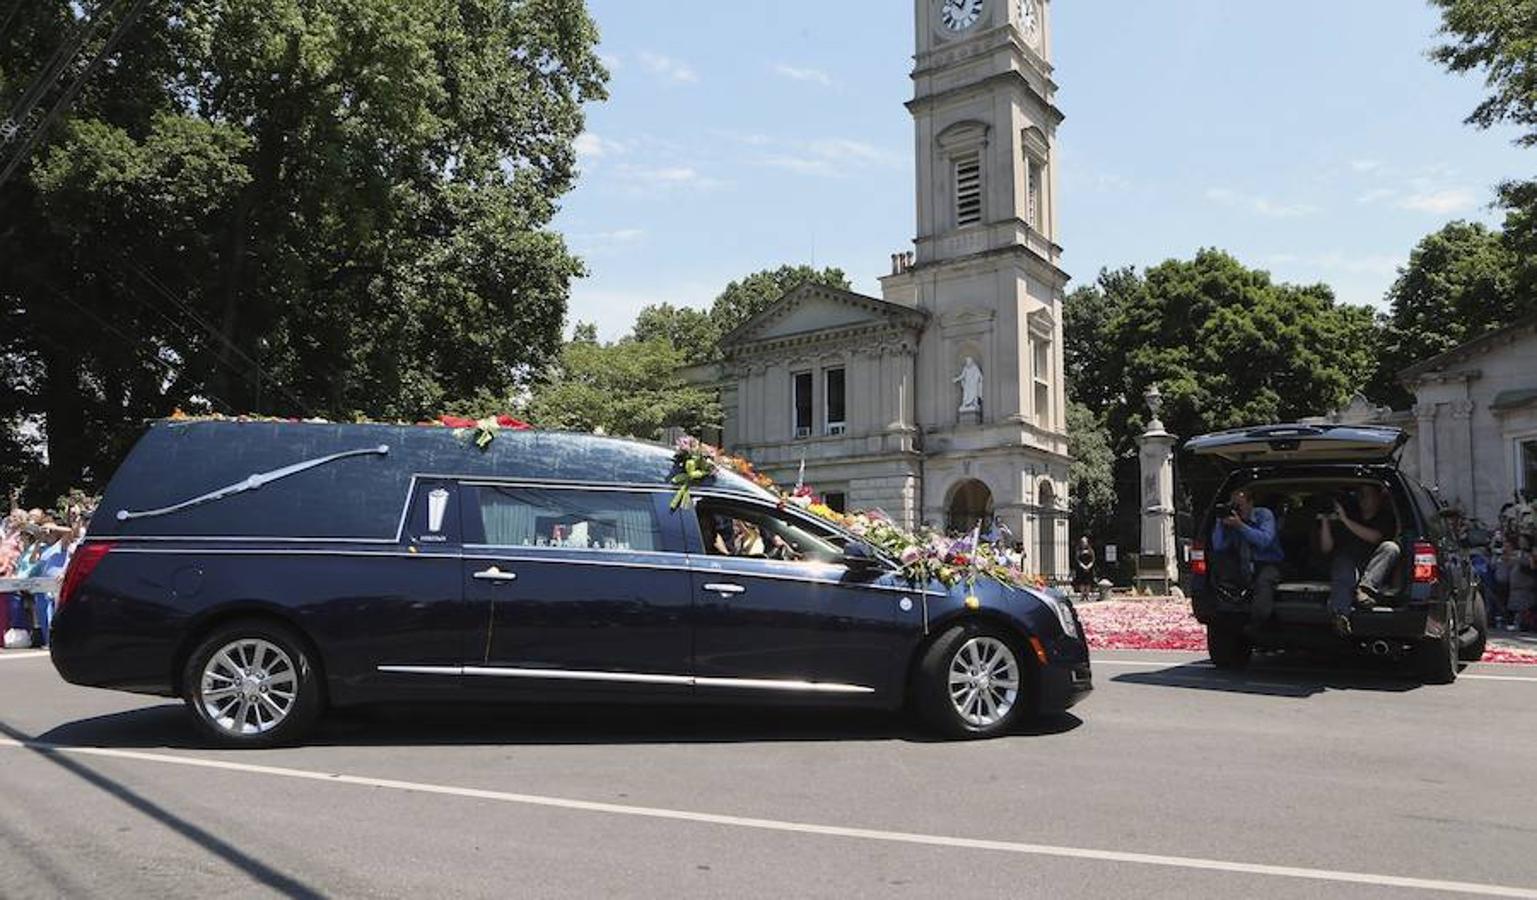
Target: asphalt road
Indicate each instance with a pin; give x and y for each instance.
(1171, 780)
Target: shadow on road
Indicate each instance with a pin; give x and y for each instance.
(167, 726)
(1292, 674)
(254, 868)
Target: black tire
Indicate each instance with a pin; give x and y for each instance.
(1228, 647)
(1437, 658)
(243, 640)
(1475, 651)
(930, 689)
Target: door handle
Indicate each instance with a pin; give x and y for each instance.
(495, 574)
(725, 590)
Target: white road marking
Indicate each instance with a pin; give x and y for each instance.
(869, 834)
(1156, 663)
(22, 654)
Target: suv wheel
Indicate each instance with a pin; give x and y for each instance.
(252, 684)
(972, 683)
(1228, 647)
(1475, 651)
(1437, 658)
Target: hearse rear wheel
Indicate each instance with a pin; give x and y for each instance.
(252, 684)
(972, 683)
(1228, 647)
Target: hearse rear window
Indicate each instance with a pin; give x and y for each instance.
(580, 519)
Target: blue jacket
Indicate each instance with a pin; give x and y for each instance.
(1259, 533)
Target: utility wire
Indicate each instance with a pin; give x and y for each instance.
(25, 150)
(53, 69)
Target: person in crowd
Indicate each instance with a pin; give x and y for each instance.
(1522, 597)
(1083, 568)
(1361, 551)
(1247, 552)
(10, 552)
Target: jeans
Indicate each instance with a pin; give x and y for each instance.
(1347, 574)
(1227, 568)
(42, 604)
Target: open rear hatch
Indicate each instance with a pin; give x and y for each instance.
(1304, 443)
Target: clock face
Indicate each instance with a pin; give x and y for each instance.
(959, 15)
(1030, 20)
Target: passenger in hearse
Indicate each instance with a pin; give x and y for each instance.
(1361, 550)
(1247, 549)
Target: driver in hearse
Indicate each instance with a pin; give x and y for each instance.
(1361, 553)
(1248, 551)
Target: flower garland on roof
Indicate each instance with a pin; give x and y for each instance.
(479, 433)
(925, 555)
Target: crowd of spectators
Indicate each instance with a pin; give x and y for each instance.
(35, 544)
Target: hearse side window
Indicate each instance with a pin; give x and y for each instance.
(580, 519)
(734, 529)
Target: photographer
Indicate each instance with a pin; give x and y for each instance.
(1361, 551)
(1248, 551)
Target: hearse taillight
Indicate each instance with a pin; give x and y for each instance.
(1427, 569)
(81, 565)
(1198, 558)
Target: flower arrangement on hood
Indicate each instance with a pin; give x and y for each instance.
(924, 555)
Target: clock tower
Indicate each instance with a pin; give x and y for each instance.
(989, 396)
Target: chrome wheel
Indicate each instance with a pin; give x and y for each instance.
(248, 686)
(984, 681)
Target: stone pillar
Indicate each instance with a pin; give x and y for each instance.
(1467, 495)
(1158, 563)
(1425, 432)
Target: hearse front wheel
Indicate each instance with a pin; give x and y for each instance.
(1228, 647)
(972, 683)
(252, 684)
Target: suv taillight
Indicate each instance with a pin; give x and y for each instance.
(1198, 558)
(81, 565)
(1427, 569)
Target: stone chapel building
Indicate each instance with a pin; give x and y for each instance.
(942, 402)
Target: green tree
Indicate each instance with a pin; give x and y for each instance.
(1091, 475)
(692, 331)
(1459, 282)
(629, 388)
(741, 300)
(1226, 345)
(299, 207)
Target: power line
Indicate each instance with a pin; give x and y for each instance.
(68, 97)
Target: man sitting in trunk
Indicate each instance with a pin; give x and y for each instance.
(1248, 552)
(1362, 553)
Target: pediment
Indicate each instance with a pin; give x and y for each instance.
(813, 310)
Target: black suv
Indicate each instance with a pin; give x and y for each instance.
(1428, 609)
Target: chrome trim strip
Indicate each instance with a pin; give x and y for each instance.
(424, 670)
(576, 675)
(773, 684)
(764, 684)
(534, 484)
(539, 552)
(724, 589)
(251, 482)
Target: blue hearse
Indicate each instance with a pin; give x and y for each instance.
(265, 570)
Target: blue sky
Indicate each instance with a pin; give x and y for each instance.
(1312, 138)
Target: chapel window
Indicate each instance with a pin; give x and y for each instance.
(968, 189)
(802, 404)
(1040, 366)
(1035, 198)
(1526, 468)
(837, 422)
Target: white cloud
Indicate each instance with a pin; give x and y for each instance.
(618, 236)
(1378, 264)
(667, 68)
(611, 61)
(1262, 206)
(1377, 195)
(1441, 202)
(591, 146)
(1365, 165)
(827, 157)
(797, 73)
(667, 176)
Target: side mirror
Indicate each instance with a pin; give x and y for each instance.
(859, 557)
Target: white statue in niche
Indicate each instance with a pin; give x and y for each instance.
(970, 381)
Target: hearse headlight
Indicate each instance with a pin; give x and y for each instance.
(1063, 607)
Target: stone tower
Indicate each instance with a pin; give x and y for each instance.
(984, 267)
